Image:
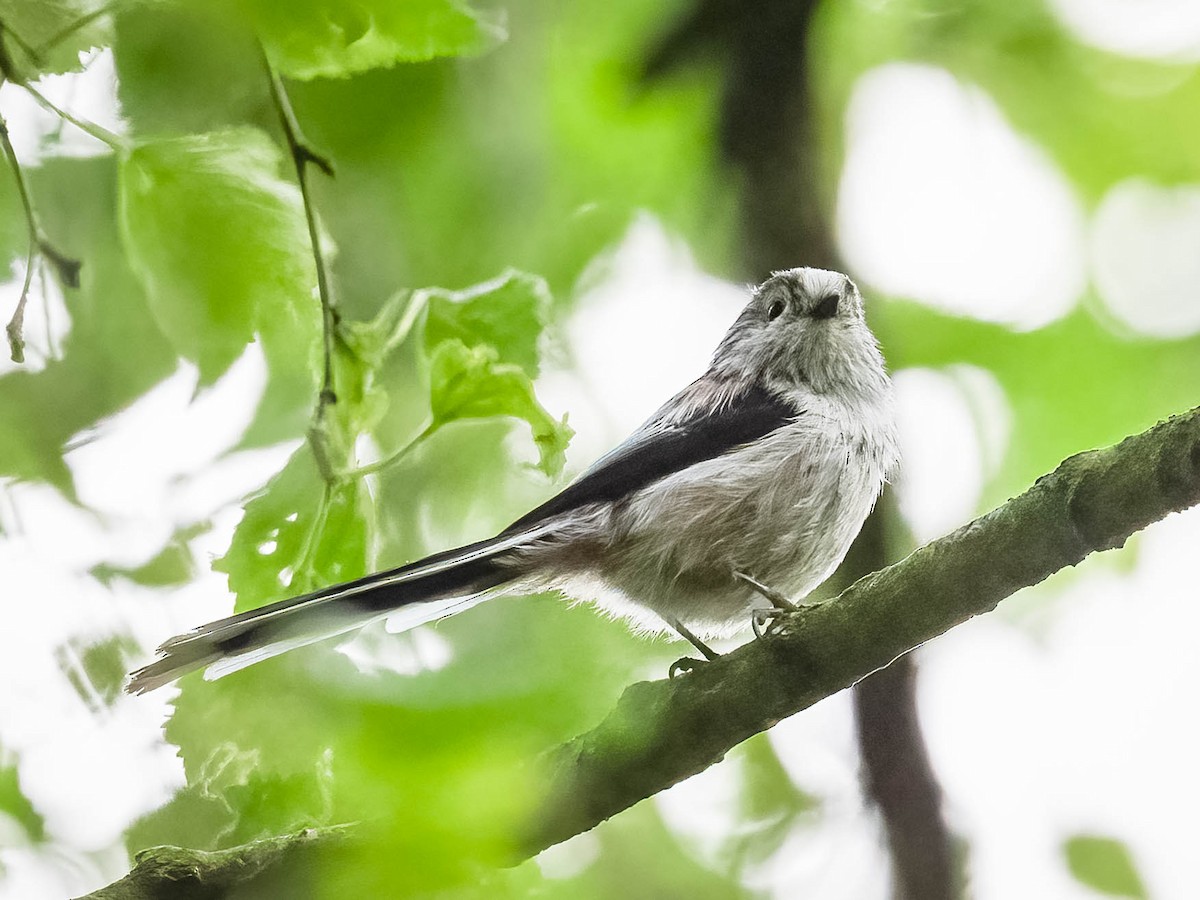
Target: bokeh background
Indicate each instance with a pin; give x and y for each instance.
(570, 199)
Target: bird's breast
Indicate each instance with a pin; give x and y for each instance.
(783, 509)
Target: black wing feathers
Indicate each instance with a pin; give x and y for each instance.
(656, 451)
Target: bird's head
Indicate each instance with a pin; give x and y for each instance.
(803, 326)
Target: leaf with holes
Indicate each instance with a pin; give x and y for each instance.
(292, 539)
(508, 314)
(470, 383)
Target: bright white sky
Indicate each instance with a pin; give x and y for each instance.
(1035, 732)
(942, 201)
(1154, 29)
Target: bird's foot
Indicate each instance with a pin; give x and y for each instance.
(765, 622)
(687, 663)
(684, 666)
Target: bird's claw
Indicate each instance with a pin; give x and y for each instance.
(684, 665)
(765, 622)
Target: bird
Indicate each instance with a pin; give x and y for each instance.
(742, 493)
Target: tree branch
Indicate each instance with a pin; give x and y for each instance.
(167, 873)
(665, 731)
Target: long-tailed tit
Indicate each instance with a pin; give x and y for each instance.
(746, 487)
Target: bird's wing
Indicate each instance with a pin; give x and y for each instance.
(684, 432)
(702, 422)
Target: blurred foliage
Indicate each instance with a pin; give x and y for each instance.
(772, 806)
(50, 36)
(486, 158)
(1071, 386)
(1105, 865)
(97, 668)
(174, 564)
(1075, 384)
(1072, 99)
(15, 806)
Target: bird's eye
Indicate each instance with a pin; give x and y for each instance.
(776, 310)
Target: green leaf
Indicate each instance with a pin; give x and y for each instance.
(470, 383)
(186, 69)
(391, 325)
(170, 566)
(220, 243)
(771, 805)
(337, 38)
(98, 669)
(114, 351)
(56, 31)
(257, 801)
(640, 841)
(1104, 864)
(508, 314)
(194, 818)
(296, 535)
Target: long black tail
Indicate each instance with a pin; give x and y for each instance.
(430, 589)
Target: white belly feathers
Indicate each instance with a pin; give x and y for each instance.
(783, 510)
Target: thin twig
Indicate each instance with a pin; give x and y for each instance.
(52, 349)
(9, 72)
(67, 268)
(16, 339)
(302, 155)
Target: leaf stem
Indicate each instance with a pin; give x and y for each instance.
(16, 339)
(302, 155)
(305, 568)
(99, 132)
(392, 458)
(68, 268)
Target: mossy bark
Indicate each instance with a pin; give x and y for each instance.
(665, 731)
(662, 732)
